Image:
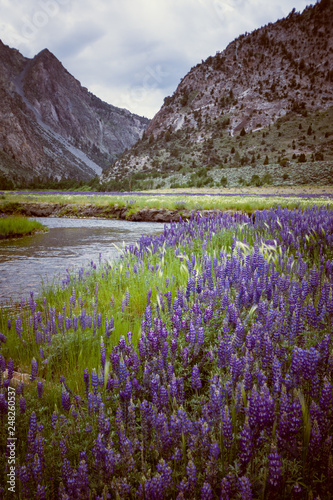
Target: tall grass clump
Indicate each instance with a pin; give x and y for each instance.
(19, 226)
(199, 365)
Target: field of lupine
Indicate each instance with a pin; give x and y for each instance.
(197, 366)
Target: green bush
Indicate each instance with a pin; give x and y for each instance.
(223, 181)
(255, 180)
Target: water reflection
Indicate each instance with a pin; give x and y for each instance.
(28, 262)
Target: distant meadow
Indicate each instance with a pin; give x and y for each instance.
(246, 202)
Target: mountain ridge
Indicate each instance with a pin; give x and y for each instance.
(245, 106)
(51, 126)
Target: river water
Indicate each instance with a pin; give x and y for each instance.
(27, 263)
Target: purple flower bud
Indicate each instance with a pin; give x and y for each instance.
(196, 382)
(206, 492)
(122, 371)
(94, 380)
(54, 419)
(23, 405)
(10, 369)
(39, 389)
(34, 368)
(244, 486)
(274, 467)
(65, 400)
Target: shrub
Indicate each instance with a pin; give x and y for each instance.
(255, 180)
(224, 181)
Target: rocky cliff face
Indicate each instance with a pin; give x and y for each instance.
(51, 126)
(279, 75)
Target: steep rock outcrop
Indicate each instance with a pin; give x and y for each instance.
(52, 126)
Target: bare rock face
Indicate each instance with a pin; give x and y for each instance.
(52, 126)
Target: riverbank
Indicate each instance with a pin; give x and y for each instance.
(149, 207)
(91, 211)
(17, 227)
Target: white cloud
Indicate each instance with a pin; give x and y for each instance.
(133, 53)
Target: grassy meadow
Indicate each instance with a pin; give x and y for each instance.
(214, 200)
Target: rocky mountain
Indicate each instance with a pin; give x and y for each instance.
(51, 126)
(265, 101)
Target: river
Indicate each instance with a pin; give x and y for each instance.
(29, 262)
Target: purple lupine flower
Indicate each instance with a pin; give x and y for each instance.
(40, 493)
(315, 439)
(206, 491)
(295, 417)
(122, 371)
(196, 382)
(201, 336)
(3, 404)
(54, 419)
(2, 363)
(3, 338)
(326, 396)
(185, 355)
(20, 388)
(63, 447)
(174, 346)
(32, 429)
(246, 444)
(244, 487)
(164, 396)
(126, 394)
(82, 480)
(65, 400)
(18, 326)
(10, 369)
(34, 368)
(94, 380)
(39, 389)
(192, 334)
(274, 467)
(191, 472)
(23, 404)
(122, 343)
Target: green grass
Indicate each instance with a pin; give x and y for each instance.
(247, 203)
(14, 226)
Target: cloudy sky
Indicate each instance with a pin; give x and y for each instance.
(133, 53)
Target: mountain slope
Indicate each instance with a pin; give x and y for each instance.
(266, 99)
(52, 126)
